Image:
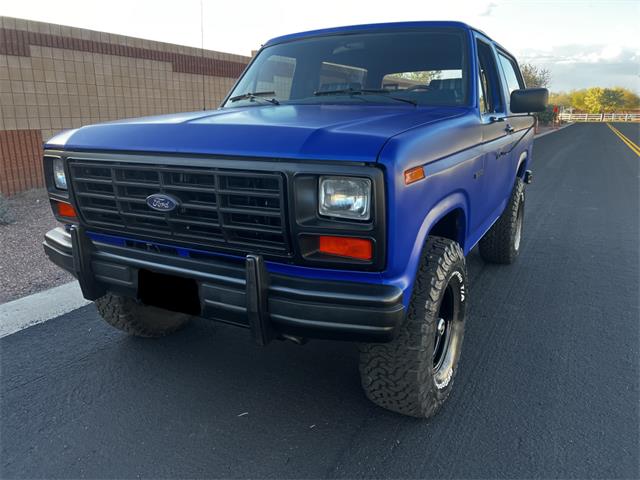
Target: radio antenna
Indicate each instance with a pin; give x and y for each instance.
(202, 63)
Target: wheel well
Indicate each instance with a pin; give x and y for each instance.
(523, 164)
(451, 226)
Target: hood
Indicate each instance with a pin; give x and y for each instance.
(315, 132)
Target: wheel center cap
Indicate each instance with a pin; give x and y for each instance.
(441, 326)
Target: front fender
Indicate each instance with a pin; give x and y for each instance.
(406, 245)
(451, 154)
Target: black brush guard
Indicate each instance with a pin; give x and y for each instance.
(239, 292)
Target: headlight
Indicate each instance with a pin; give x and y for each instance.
(345, 197)
(59, 177)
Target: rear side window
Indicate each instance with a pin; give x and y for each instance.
(510, 72)
(489, 94)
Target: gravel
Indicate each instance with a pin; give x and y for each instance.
(6, 216)
(24, 267)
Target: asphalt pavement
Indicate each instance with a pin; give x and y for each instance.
(548, 384)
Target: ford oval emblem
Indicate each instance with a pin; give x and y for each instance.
(162, 202)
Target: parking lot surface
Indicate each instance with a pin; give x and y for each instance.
(548, 383)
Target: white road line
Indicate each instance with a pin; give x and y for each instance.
(40, 307)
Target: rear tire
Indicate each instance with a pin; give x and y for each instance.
(413, 374)
(140, 320)
(501, 244)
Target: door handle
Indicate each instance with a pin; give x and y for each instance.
(509, 129)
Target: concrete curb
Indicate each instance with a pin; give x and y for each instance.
(540, 135)
(40, 307)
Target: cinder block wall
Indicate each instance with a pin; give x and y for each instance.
(54, 77)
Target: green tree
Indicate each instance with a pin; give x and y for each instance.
(630, 100)
(597, 99)
(422, 78)
(600, 100)
(535, 76)
(593, 99)
(577, 98)
(562, 99)
(612, 100)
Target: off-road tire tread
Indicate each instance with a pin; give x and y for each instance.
(398, 375)
(497, 245)
(128, 315)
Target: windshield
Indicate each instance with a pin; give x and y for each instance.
(412, 67)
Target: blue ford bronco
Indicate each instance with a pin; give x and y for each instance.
(334, 194)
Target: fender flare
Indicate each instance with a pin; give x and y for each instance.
(522, 163)
(455, 201)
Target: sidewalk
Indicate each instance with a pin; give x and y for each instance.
(40, 307)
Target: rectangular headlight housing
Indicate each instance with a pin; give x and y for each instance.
(59, 177)
(345, 197)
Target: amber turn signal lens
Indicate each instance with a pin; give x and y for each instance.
(359, 248)
(413, 175)
(66, 210)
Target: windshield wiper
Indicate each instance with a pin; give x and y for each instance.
(255, 96)
(349, 91)
(364, 91)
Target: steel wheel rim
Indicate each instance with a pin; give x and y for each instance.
(518, 234)
(446, 350)
(443, 328)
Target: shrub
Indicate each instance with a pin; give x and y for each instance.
(546, 117)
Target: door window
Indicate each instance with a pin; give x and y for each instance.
(491, 99)
(510, 72)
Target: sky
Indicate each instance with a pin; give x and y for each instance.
(583, 43)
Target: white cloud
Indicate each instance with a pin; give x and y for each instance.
(489, 10)
(580, 66)
(605, 54)
(556, 34)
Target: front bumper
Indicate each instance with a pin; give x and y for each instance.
(237, 291)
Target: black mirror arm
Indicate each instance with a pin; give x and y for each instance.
(519, 115)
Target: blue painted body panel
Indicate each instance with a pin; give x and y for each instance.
(367, 27)
(301, 132)
(461, 152)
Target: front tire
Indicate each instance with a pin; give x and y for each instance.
(501, 244)
(413, 374)
(139, 320)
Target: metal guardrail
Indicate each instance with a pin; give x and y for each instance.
(600, 117)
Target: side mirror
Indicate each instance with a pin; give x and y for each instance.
(529, 100)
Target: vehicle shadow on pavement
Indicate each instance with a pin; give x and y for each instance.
(203, 401)
(215, 370)
(80, 399)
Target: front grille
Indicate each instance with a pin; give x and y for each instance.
(235, 209)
